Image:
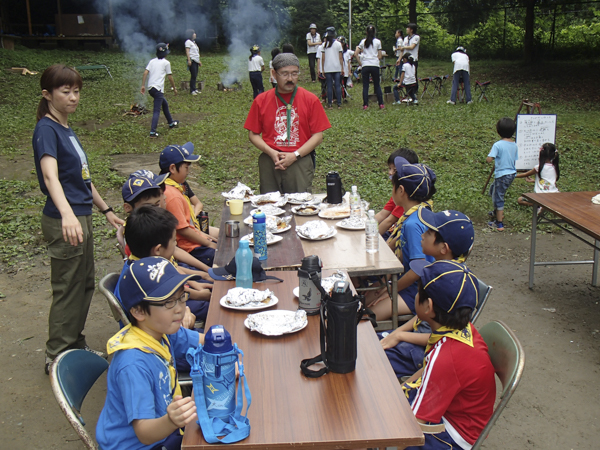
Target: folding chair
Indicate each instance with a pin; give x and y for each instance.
(426, 82)
(94, 67)
(508, 359)
(437, 84)
(484, 294)
(72, 375)
(482, 86)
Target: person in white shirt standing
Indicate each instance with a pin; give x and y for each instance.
(193, 59)
(398, 50)
(332, 66)
(256, 66)
(461, 73)
(157, 69)
(313, 40)
(370, 49)
(411, 46)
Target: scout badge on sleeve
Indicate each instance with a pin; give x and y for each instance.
(213, 377)
(340, 314)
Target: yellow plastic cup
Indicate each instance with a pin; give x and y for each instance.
(236, 207)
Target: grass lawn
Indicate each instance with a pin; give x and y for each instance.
(453, 140)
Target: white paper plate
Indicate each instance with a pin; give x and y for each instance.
(282, 230)
(276, 323)
(324, 214)
(269, 242)
(345, 226)
(274, 301)
(269, 211)
(296, 208)
(329, 236)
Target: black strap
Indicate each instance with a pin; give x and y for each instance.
(306, 363)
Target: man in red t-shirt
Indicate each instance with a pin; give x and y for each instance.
(286, 124)
(457, 388)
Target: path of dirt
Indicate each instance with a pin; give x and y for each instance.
(555, 407)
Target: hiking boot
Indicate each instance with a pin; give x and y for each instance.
(96, 352)
(174, 124)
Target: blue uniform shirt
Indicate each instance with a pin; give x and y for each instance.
(505, 155)
(138, 387)
(51, 138)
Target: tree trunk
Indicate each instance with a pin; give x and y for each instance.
(529, 26)
(412, 11)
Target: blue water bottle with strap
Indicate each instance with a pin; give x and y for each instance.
(259, 227)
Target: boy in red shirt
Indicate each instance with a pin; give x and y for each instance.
(457, 387)
(176, 160)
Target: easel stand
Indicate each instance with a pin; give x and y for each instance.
(530, 107)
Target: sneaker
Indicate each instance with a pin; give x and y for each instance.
(96, 352)
(174, 124)
(450, 102)
(381, 106)
(397, 103)
(47, 364)
(153, 134)
(495, 225)
(469, 102)
(195, 93)
(365, 108)
(415, 102)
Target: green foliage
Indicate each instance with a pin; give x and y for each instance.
(302, 14)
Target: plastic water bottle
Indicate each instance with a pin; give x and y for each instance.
(243, 266)
(259, 230)
(372, 233)
(355, 205)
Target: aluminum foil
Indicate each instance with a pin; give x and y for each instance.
(275, 323)
(299, 197)
(271, 198)
(241, 192)
(330, 281)
(353, 222)
(315, 229)
(271, 210)
(270, 238)
(274, 223)
(248, 297)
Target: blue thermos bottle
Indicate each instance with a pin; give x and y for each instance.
(243, 266)
(218, 364)
(259, 227)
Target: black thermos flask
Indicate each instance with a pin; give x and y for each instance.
(342, 320)
(335, 190)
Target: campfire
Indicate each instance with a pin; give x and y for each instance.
(136, 110)
(235, 86)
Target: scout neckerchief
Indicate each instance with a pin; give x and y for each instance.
(288, 111)
(131, 337)
(135, 258)
(180, 188)
(396, 233)
(465, 336)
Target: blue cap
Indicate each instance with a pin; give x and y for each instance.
(174, 154)
(158, 179)
(229, 271)
(454, 227)
(152, 279)
(417, 179)
(136, 185)
(217, 340)
(448, 283)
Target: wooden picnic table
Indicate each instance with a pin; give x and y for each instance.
(364, 408)
(573, 208)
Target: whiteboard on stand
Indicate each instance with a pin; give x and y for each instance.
(533, 130)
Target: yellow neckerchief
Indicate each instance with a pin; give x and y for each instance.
(173, 260)
(179, 187)
(131, 337)
(396, 233)
(465, 336)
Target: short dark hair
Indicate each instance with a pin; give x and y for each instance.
(189, 33)
(144, 306)
(456, 320)
(144, 195)
(276, 51)
(405, 153)
(440, 240)
(147, 227)
(506, 127)
(166, 169)
(287, 48)
(412, 26)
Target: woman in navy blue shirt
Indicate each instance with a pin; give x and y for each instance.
(64, 177)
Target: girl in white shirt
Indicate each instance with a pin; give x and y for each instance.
(546, 172)
(370, 48)
(256, 65)
(193, 59)
(332, 66)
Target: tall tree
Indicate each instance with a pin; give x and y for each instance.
(412, 11)
(305, 12)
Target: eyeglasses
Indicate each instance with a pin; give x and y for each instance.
(172, 302)
(288, 74)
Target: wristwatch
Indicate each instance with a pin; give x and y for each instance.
(298, 155)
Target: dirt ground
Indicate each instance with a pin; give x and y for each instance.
(555, 407)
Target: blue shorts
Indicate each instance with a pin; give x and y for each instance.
(205, 255)
(438, 441)
(498, 190)
(199, 308)
(405, 358)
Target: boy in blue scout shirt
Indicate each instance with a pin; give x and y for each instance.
(449, 236)
(413, 187)
(144, 408)
(504, 154)
(454, 398)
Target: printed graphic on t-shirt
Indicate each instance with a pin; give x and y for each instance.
(85, 170)
(281, 138)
